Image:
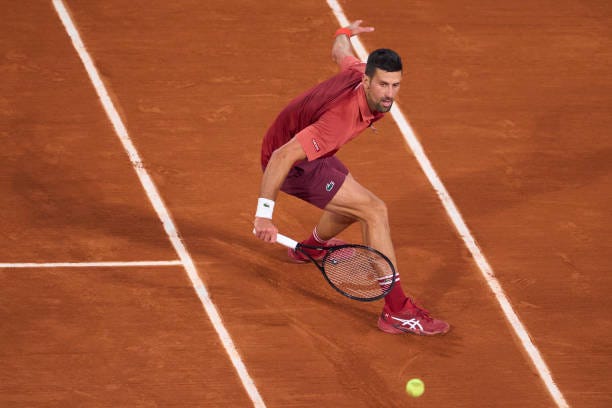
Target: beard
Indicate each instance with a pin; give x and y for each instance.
(382, 108)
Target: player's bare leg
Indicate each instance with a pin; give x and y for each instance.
(332, 224)
(353, 201)
(400, 314)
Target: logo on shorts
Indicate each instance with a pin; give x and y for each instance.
(329, 186)
(316, 145)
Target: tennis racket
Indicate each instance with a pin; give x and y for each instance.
(356, 271)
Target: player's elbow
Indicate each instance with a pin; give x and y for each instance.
(289, 153)
(334, 56)
(278, 156)
(339, 52)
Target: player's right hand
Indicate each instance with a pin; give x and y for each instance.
(265, 229)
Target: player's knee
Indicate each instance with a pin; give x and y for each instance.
(376, 210)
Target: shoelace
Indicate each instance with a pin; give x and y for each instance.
(419, 311)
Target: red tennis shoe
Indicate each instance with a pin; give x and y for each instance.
(317, 255)
(411, 319)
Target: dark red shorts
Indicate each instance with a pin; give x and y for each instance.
(317, 181)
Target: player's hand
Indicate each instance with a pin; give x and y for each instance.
(356, 28)
(265, 229)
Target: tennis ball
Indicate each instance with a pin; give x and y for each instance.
(415, 387)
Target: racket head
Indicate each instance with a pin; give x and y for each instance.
(358, 272)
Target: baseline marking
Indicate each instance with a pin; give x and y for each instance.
(158, 205)
(463, 230)
(88, 264)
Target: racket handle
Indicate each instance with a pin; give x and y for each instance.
(284, 240)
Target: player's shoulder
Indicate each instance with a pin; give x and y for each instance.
(351, 62)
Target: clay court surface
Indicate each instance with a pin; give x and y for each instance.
(511, 102)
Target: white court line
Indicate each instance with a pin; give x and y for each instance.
(88, 264)
(463, 230)
(158, 205)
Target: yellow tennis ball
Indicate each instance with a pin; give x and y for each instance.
(415, 387)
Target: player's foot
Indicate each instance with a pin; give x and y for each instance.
(411, 319)
(317, 255)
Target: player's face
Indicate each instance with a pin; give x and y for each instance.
(381, 89)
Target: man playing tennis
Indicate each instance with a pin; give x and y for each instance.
(298, 158)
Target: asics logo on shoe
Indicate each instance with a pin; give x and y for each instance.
(411, 324)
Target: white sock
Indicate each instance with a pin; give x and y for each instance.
(317, 238)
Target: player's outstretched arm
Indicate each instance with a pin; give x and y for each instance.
(276, 171)
(342, 44)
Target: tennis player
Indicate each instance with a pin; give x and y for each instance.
(298, 158)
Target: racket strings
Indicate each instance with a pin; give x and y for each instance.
(359, 272)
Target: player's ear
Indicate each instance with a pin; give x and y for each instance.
(365, 81)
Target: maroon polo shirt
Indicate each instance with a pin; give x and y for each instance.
(325, 117)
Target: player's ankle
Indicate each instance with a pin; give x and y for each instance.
(315, 239)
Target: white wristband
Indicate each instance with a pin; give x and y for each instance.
(265, 208)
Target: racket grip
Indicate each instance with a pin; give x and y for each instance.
(284, 240)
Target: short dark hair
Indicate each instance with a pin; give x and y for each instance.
(385, 59)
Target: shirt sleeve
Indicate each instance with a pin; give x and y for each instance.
(322, 137)
(351, 62)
